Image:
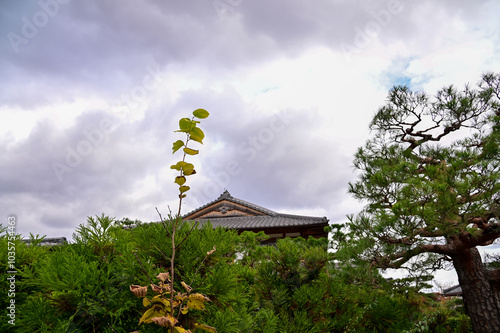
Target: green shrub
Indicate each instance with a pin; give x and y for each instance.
(290, 287)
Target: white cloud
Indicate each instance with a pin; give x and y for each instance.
(258, 62)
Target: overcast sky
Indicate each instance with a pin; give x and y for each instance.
(91, 93)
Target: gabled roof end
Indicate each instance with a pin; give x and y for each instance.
(225, 195)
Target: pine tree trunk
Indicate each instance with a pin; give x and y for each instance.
(481, 298)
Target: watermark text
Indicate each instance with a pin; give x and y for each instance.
(31, 26)
(364, 36)
(11, 268)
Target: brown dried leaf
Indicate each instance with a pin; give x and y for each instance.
(188, 288)
(165, 321)
(211, 251)
(139, 291)
(156, 288)
(163, 277)
(165, 287)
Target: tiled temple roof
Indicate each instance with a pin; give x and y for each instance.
(228, 211)
(227, 196)
(262, 222)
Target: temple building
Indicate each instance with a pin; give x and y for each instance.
(233, 213)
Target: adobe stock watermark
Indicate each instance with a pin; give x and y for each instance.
(364, 36)
(226, 8)
(11, 268)
(31, 26)
(94, 137)
(249, 149)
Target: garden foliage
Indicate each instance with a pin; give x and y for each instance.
(83, 286)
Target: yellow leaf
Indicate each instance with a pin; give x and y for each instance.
(151, 313)
(205, 328)
(179, 165)
(190, 151)
(180, 180)
(183, 188)
(159, 300)
(189, 172)
(195, 301)
(187, 166)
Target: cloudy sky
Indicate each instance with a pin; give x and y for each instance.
(91, 93)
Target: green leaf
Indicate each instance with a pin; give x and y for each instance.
(177, 145)
(200, 113)
(179, 165)
(186, 125)
(197, 135)
(190, 151)
(183, 189)
(180, 180)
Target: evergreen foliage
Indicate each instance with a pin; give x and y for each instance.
(290, 287)
(430, 179)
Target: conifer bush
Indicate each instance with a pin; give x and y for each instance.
(289, 287)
